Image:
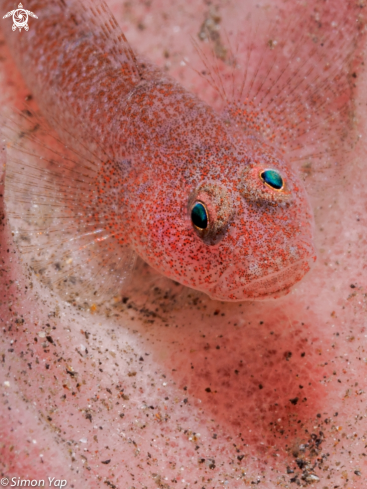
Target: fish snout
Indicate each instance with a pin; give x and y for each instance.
(239, 284)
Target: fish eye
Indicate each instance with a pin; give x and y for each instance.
(273, 179)
(209, 212)
(199, 216)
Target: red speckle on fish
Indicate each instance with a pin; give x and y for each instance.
(154, 150)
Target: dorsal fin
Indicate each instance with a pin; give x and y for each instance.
(97, 16)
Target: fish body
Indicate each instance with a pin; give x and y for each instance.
(151, 156)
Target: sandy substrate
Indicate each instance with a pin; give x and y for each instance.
(178, 390)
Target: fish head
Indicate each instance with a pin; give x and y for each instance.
(236, 225)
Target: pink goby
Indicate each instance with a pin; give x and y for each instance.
(143, 156)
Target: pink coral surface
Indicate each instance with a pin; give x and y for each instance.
(177, 390)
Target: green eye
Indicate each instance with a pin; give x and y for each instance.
(273, 179)
(199, 216)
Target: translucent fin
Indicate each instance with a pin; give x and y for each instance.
(96, 17)
(51, 203)
(292, 79)
(63, 18)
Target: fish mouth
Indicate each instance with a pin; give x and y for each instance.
(270, 286)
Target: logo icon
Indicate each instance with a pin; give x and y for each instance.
(20, 17)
